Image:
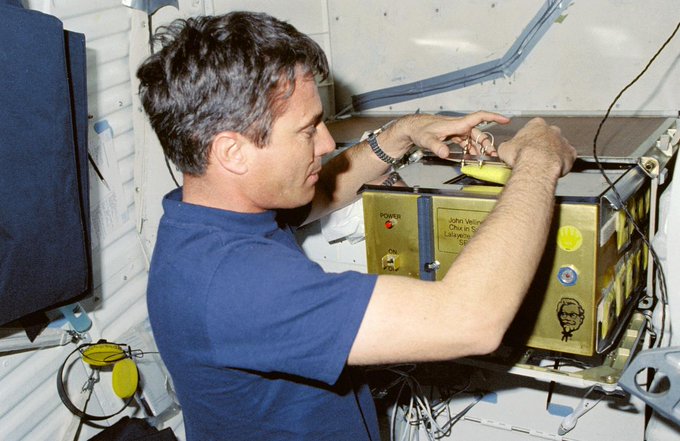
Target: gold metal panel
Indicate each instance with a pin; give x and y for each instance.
(583, 288)
(567, 318)
(594, 266)
(391, 223)
(561, 314)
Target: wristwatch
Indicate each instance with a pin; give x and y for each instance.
(391, 179)
(373, 142)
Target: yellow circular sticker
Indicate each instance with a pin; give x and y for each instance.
(569, 238)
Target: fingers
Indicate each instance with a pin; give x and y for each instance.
(479, 117)
(542, 143)
(436, 146)
(480, 143)
(434, 132)
(569, 162)
(471, 138)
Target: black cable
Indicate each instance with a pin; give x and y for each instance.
(87, 401)
(360, 407)
(659, 269)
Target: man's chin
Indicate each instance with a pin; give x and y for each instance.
(297, 203)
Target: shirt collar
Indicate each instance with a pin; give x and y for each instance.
(177, 210)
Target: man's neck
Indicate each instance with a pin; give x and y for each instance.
(208, 192)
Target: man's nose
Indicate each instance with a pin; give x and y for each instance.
(325, 142)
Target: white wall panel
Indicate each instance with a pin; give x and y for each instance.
(107, 75)
(29, 394)
(110, 48)
(151, 177)
(578, 66)
(308, 16)
(118, 305)
(106, 101)
(121, 122)
(126, 162)
(24, 378)
(65, 9)
(125, 149)
(102, 23)
(118, 255)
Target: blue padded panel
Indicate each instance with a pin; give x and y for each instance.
(44, 233)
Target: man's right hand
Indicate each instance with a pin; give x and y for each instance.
(541, 144)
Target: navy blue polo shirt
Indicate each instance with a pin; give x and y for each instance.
(255, 335)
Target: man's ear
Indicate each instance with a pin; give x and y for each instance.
(227, 150)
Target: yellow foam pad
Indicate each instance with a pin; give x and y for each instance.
(498, 174)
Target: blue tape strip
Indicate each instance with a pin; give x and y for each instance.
(425, 237)
(459, 79)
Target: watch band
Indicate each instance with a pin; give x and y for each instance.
(392, 179)
(373, 142)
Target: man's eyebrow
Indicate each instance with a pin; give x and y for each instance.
(312, 121)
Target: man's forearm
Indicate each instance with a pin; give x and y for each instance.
(498, 264)
(343, 176)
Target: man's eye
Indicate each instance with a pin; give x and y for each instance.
(311, 131)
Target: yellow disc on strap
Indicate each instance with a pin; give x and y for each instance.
(103, 354)
(125, 378)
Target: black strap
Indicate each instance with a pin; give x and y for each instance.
(63, 395)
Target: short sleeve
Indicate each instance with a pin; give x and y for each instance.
(271, 309)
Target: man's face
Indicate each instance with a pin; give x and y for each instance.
(284, 172)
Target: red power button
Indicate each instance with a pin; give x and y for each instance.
(389, 224)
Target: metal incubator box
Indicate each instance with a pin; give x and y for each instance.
(594, 265)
